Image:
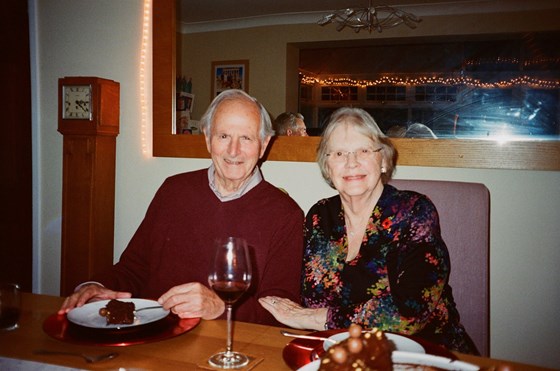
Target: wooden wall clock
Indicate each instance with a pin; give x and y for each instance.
(88, 105)
(88, 119)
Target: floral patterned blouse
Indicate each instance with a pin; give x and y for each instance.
(398, 282)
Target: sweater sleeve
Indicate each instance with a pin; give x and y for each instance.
(282, 272)
(131, 272)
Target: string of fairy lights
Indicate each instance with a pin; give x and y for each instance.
(144, 50)
(525, 81)
(538, 61)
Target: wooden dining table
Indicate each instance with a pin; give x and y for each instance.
(188, 350)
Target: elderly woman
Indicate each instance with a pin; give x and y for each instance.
(373, 255)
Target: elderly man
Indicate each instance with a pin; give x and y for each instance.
(290, 124)
(170, 254)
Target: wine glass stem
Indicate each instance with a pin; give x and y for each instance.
(229, 337)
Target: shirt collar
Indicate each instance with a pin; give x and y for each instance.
(250, 183)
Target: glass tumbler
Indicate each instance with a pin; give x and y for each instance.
(10, 306)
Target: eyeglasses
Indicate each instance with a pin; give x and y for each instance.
(361, 154)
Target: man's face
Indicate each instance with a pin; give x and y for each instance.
(301, 129)
(234, 143)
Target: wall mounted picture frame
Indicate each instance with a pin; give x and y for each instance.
(229, 75)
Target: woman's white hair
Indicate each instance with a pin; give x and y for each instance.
(366, 125)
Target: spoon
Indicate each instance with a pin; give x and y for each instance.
(89, 358)
(309, 337)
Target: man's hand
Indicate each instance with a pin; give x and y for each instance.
(90, 292)
(294, 315)
(192, 300)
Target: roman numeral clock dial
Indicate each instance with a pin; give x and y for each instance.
(77, 102)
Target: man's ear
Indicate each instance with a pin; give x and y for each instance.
(206, 139)
(264, 145)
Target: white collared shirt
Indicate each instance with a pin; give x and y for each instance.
(249, 184)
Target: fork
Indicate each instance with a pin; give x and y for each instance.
(89, 358)
(146, 308)
(309, 337)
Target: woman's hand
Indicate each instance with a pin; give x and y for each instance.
(294, 315)
(90, 292)
(193, 300)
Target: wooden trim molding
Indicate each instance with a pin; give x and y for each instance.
(526, 155)
(412, 152)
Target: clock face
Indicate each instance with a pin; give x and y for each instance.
(77, 102)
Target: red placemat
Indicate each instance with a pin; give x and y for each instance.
(58, 327)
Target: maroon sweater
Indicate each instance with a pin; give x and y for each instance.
(174, 243)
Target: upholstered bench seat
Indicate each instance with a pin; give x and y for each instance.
(464, 211)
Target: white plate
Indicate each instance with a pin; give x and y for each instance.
(313, 366)
(402, 343)
(88, 315)
(429, 360)
(413, 359)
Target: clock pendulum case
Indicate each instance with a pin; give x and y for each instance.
(88, 119)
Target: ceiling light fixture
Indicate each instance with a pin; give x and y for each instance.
(377, 18)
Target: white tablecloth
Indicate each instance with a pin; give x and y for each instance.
(13, 364)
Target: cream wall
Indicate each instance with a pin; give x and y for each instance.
(102, 38)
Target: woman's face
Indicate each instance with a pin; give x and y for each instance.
(354, 164)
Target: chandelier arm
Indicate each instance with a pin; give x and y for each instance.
(369, 18)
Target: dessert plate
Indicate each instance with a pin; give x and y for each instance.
(88, 315)
(401, 359)
(404, 361)
(313, 366)
(299, 352)
(401, 343)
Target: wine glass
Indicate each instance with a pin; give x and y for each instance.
(230, 277)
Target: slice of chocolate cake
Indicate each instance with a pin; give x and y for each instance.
(118, 312)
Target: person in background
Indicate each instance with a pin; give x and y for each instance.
(290, 124)
(170, 255)
(418, 130)
(373, 254)
(396, 131)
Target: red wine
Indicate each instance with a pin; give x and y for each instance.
(229, 291)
